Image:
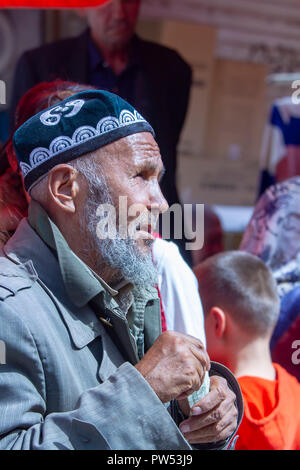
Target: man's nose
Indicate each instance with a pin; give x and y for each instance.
(158, 203)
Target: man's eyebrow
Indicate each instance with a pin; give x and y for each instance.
(152, 166)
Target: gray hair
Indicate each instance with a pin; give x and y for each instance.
(87, 165)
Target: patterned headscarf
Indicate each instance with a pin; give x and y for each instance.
(273, 233)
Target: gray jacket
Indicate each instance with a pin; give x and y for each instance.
(65, 384)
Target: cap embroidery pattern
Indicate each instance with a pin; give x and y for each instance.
(80, 135)
(52, 116)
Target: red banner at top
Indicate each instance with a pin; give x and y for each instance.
(51, 3)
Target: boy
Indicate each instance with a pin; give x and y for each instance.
(241, 307)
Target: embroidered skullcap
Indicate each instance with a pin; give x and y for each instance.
(80, 124)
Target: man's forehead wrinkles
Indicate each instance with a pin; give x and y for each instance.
(148, 161)
(144, 143)
(146, 151)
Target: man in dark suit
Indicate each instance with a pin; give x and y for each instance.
(109, 56)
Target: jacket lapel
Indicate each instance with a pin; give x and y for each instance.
(116, 326)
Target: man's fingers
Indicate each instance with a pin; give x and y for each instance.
(223, 407)
(195, 341)
(209, 426)
(225, 411)
(196, 383)
(190, 339)
(198, 368)
(212, 433)
(202, 356)
(184, 395)
(195, 423)
(215, 416)
(175, 365)
(219, 391)
(212, 400)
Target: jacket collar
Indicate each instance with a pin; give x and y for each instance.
(96, 59)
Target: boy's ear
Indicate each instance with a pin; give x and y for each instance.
(218, 317)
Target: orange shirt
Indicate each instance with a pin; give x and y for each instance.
(272, 412)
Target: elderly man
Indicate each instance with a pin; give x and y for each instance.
(86, 365)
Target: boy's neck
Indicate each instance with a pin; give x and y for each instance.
(254, 359)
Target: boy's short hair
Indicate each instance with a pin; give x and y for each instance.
(243, 286)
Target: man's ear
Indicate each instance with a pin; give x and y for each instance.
(63, 187)
(218, 318)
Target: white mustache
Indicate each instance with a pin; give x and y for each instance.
(146, 221)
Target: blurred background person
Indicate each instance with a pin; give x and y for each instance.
(13, 204)
(280, 155)
(273, 234)
(213, 236)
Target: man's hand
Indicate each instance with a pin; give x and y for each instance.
(214, 417)
(175, 365)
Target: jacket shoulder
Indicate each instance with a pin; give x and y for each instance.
(163, 53)
(15, 277)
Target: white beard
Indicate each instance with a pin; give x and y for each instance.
(123, 255)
